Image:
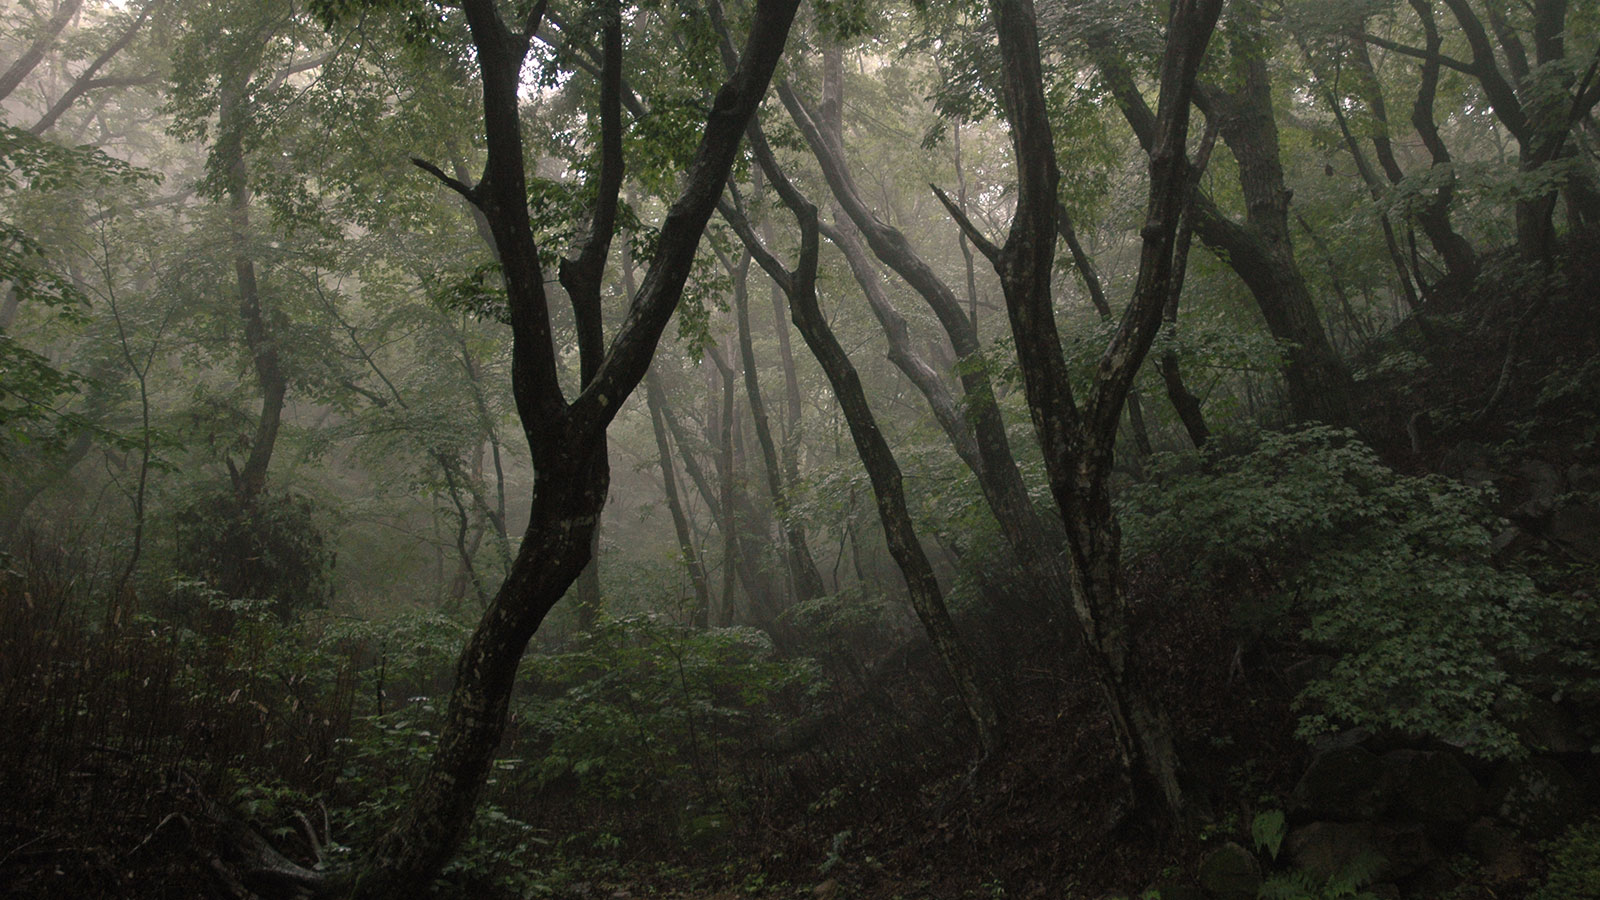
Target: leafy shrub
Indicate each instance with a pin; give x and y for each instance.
(648, 710)
(271, 549)
(1574, 866)
(1391, 572)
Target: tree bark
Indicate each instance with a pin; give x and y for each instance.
(654, 399)
(805, 580)
(1319, 385)
(259, 333)
(1078, 443)
(30, 58)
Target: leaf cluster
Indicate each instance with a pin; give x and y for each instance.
(1391, 573)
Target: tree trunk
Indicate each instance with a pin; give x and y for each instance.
(882, 470)
(805, 580)
(655, 399)
(259, 337)
(567, 440)
(1034, 539)
(1320, 387)
(30, 58)
(1078, 443)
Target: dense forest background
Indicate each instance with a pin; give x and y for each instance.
(1067, 448)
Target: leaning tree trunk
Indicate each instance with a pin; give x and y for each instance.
(927, 598)
(1033, 538)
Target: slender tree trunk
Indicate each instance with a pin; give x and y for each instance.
(31, 57)
(926, 596)
(805, 580)
(259, 336)
(1035, 539)
(655, 400)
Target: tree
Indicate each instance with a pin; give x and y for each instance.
(1078, 439)
(567, 438)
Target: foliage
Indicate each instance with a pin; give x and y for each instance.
(271, 550)
(1392, 572)
(1574, 865)
(1345, 885)
(1267, 831)
(645, 710)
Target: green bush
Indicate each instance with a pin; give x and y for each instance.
(271, 550)
(1392, 573)
(1574, 866)
(648, 710)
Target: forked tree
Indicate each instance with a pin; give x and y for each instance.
(1078, 437)
(567, 438)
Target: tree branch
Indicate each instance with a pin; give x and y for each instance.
(469, 193)
(984, 245)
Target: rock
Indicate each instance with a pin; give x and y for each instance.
(1181, 892)
(1329, 849)
(827, 890)
(1545, 725)
(1541, 487)
(1583, 479)
(1433, 787)
(1501, 857)
(1407, 850)
(1347, 783)
(1576, 526)
(1230, 872)
(1537, 796)
(1467, 456)
(1436, 880)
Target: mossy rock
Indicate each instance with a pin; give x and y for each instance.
(1434, 788)
(1538, 796)
(1230, 872)
(1346, 783)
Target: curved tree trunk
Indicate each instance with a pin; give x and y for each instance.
(567, 439)
(251, 480)
(1034, 539)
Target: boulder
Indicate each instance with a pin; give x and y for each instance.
(1433, 787)
(1348, 783)
(1330, 849)
(1378, 852)
(1541, 485)
(1500, 855)
(1230, 872)
(1546, 726)
(1583, 479)
(1407, 851)
(1576, 527)
(1537, 796)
